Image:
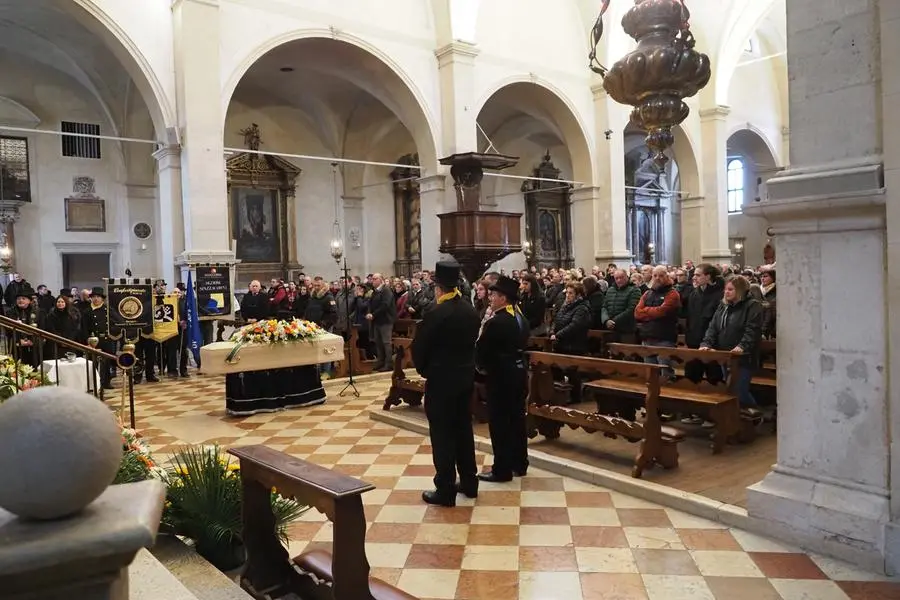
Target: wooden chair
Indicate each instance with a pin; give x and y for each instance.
(547, 410)
(708, 396)
(316, 575)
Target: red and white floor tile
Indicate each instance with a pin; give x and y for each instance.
(541, 537)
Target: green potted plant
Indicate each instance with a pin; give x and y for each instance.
(203, 504)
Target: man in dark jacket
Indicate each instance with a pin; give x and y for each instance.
(657, 315)
(499, 357)
(381, 316)
(254, 304)
(618, 307)
(701, 301)
(444, 353)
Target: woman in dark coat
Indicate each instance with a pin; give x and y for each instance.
(533, 304)
(570, 332)
(62, 320)
(737, 328)
(594, 296)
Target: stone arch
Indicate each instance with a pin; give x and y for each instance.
(564, 115)
(403, 92)
(752, 137)
(740, 26)
(129, 55)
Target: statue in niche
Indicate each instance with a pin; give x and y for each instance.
(252, 138)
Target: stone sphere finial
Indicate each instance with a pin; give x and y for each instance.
(59, 450)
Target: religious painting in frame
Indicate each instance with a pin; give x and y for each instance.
(256, 224)
(549, 232)
(85, 214)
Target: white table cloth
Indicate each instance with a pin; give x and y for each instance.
(73, 375)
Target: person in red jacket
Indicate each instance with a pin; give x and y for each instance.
(657, 316)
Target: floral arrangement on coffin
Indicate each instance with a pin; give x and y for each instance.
(16, 376)
(274, 331)
(203, 504)
(137, 463)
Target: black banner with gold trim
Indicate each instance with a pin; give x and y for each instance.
(130, 303)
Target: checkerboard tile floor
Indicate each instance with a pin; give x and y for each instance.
(541, 537)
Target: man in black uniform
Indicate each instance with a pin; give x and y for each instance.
(499, 356)
(96, 324)
(444, 353)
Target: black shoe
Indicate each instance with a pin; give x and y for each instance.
(152, 379)
(185, 374)
(470, 490)
(385, 369)
(520, 472)
(439, 499)
(492, 477)
(138, 380)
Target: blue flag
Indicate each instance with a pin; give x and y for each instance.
(194, 337)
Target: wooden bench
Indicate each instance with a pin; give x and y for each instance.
(269, 572)
(764, 379)
(362, 365)
(547, 410)
(707, 396)
(403, 389)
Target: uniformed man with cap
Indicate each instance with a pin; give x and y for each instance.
(96, 324)
(25, 310)
(444, 353)
(500, 357)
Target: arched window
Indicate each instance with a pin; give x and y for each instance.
(735, 185)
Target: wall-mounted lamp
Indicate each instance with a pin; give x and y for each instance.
(608, 133)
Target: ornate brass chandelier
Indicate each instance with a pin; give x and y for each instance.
(659, 74)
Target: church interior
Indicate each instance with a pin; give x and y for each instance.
(314, 153)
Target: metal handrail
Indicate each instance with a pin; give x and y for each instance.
(6, 322)
(99, 359)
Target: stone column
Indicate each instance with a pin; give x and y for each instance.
(432, 196)
(169, 213)
(456, 69)
(691, 224)
(714, 217)
(831, 488)
(600, 220)
(199, 89)
(355, 250)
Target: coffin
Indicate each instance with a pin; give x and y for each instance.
(259, 357)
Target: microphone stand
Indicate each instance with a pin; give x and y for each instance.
(350, 385)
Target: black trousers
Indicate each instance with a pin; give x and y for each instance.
(449, 415)
(106, 367)
(145, 350)
(506, 421)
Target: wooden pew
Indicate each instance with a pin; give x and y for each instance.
(547, 410)
(269, 572)
(403, 389)
(764, 380)
(362, 365)
(716, 399)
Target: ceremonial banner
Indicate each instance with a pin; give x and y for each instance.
(130, 305)
(195, 338)
(213, 291)
(165, 318)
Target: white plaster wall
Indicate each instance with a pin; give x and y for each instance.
(54, 97)
(757, 104)
(144, 32)
(403, 37)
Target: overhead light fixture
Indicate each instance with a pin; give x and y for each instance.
(659, 74)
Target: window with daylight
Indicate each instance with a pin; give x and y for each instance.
(80, 146)
(15, 182)
(735, 185)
